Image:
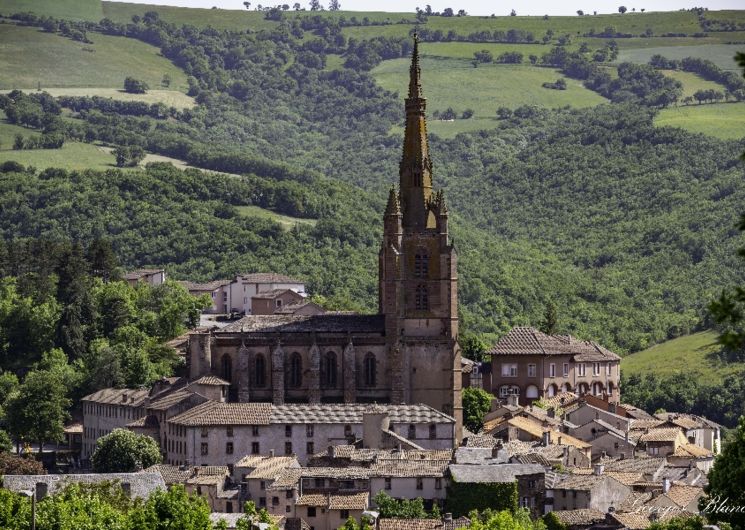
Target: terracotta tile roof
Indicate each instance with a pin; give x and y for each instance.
(216, 413)
(409, 468)
(343, 473)
(206, 287)
(289, 309)
(684, 495)
(119, 396)
(635, 500)
(561, 400)
(287, 479)
(409, 524)
(646, 465)
(632, 520)
(149, 421)
(268, 467)
(74, 428)
(576, 482)
(626, 478)
(645, 423)
(530, 341)
(267, 277)
(272, 294)
(324, 323)
(692, 450)
(662, 434)
(352, 413)
(351, 501)
(169, 400)
(687, 421)
(210, 380)
(579, 517)
(171, 474)
(140, 273)
(536, 429)
(481, 440)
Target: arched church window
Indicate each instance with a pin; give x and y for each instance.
(421, 263)
(421, 298)
(296, 371)
(260, 371)
(227, 368)
(370, 370)
(328, 370)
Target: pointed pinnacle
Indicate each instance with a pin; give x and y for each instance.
(415, 85)
(393, 207)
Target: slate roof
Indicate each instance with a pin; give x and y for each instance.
(119, 396)
(289, 309)
(475, 474)
(530, 341)
(409, 468)
(579, 517)
(145, 422)
(646, 465)
(323, 323)
(481, 440)
(140, 273)
(663, 434)
(217, 413)
(575, 482)
(141, 484)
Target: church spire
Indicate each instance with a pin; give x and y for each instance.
(415, 170)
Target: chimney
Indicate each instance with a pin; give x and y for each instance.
(448, 517)
(665, 485)
(271, 453)
(612, 408)
(598, 469)
(551, 412)
(330, 451)
(546, 438)
(40, 490)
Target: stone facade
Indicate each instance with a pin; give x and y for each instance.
(407, 353)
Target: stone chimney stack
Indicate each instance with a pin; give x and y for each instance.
(598, 469)
(546, 438)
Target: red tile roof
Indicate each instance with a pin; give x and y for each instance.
(530, 341)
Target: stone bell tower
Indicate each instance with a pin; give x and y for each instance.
(418, 274)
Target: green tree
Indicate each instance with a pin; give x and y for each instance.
(683, 523)
(135, 86)
(123, 451)
(473, 347)
(622, 9)
(504, 520)
(550, 322)
(170, 510)
(725, 482)
(38, 411)
(476, 403)
(11, 464)
(403, 508)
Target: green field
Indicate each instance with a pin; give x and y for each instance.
(286, 221)
(692, 353)
(456, 83)
(692, 82)
(172, 98)
(29, 57)
(723, 120)
(723, 55)
(465, 50)
(73, 155)
(68, 9)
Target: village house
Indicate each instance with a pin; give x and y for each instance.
(217, 433)
(533, 365)
(269, 302)
(574, 491)
(528, 430)
(663, 441)
(330, 511)
(109, 409)
(244, 287)
(256, 473)
(583, 414)
(151, 277)
(699, 431)
(217, 290)
(613, 444)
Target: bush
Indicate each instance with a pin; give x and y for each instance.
(123, 451)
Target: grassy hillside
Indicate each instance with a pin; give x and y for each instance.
(723, 55)
(692, 353)
(69, 9)
(723, 120)
(29, 57)
(172, 98)
(456, 83)
(692, 82)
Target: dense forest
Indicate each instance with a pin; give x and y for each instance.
(629, 229)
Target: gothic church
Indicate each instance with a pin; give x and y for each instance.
(407, 353)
